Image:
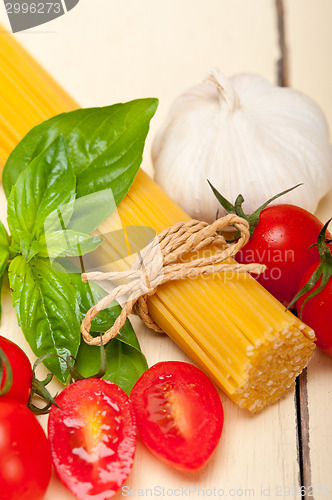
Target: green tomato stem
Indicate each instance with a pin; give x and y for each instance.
(237, 209)
(321, 275)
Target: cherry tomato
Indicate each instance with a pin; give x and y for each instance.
(281, 240)
(316, 312)
(179, 413)
(21, 372)
(25, 459)
(93, 438)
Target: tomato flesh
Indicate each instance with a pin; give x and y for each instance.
(179, 413)
(281, 241)
(316, 312)
(93, 438)
(22, 372)
(25, 459)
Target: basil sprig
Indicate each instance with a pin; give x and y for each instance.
(59, 181)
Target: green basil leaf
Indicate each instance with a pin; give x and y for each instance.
(67, 244)
(47, 309)
(46, 184)
(105, 146)
(91, 210)
(4, 248)
(125, 364)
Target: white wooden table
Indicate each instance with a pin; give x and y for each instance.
(106, 51)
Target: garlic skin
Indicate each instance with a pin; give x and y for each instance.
(245, 136)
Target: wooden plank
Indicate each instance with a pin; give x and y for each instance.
(310, 38)
(319, 409)
(161, 48)
(320, 405)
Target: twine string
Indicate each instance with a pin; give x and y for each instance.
(161, 261)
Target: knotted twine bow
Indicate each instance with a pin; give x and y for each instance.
(159, 263)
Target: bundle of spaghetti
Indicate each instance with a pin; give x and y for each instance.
(229, 325)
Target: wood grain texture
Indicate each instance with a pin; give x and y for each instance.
(309, 35)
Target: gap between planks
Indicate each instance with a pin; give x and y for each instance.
(303, 432)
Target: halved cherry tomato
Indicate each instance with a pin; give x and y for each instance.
(179, 413)
(25, 459)
(21, 372)
(93, 438)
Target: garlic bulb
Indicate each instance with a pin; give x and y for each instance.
(245, 136)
